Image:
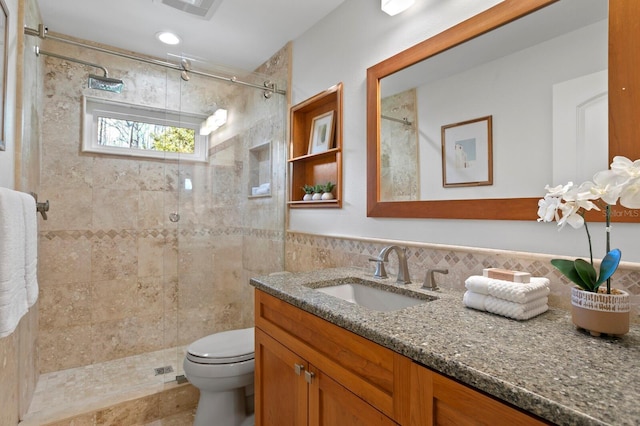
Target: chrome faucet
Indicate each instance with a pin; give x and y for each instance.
(430, 281)
(403, 268)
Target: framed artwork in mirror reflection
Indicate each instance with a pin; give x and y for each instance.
(467, 153)
(321, 138)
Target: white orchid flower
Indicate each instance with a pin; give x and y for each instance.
(608, 186)
(548, 209)
(582, 197)
(630, 196)
(570, 216)
(622, 166)
(558, 191)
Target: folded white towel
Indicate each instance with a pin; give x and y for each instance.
(474, 300)
(31, 247)
(13, 298)
(519, 311)
(507, 290)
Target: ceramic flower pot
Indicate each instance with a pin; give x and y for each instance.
(600, 313)
(327, 196)
(317, 196)
(307, 197)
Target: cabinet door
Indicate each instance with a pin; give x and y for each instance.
(331, 404)
(281, 395)
(438, 400)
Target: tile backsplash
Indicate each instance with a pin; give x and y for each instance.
(307, 252)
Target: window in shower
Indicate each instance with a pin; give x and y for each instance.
(131, 130)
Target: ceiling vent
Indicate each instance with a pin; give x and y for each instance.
(201, 8)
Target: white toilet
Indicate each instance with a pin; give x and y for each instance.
(221, 366)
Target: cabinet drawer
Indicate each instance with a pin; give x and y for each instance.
(367, 369)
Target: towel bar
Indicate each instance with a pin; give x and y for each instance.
(41, 208)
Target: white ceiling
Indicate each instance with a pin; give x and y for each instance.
(241, 33)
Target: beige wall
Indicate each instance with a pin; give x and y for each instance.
(117, 277)
(19, 169)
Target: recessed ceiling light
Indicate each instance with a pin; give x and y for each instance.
(393, 7)
(168, 38)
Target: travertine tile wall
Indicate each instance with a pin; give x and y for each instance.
(399, 170)
(19, 351)
(118, 278)
(306, 252)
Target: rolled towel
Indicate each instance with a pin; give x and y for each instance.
(519, 311)
(507, 290)
(474, 300)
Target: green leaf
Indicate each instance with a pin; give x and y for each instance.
(567, 267)
(588, 274)
(609, 265)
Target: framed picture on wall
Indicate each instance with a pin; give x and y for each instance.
(321, 138)
(4, 17)
(467, 153)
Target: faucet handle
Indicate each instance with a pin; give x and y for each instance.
(380, 271)
(430, 281)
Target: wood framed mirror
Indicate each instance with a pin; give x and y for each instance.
(623, 110)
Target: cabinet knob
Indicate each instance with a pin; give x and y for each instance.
(298, 368)
(308, 376)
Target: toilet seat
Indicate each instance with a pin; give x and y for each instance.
(227, 347)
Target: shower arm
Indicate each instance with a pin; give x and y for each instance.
(67, 58)
(42, 32)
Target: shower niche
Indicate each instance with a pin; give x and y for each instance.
(260, 170)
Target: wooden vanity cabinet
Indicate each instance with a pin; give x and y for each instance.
(312, 372)
(290, 391)
(317, 373)
(438, 400)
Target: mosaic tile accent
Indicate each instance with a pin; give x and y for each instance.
(306, 252)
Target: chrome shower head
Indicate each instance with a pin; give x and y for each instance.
(105, 83)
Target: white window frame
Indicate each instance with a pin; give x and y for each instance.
(92, 108)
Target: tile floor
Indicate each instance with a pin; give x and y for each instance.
(65, 393)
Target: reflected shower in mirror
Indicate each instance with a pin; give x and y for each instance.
(542, 77)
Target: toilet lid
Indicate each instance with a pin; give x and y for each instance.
(223, 348)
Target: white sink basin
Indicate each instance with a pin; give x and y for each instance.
(372, 298)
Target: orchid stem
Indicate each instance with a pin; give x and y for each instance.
(586, 228)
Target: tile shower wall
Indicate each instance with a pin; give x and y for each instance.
(306, 252)
(118, 278)
(18, 351)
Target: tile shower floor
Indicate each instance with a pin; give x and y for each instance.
(61, 394)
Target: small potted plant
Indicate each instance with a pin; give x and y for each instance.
(308, 192)
(595, 309)
(317, 192)
(327, 188)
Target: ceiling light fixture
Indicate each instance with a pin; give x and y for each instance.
(168, 38)
(393, 7)
(213, 122)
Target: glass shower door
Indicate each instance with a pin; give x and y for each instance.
(231, 207)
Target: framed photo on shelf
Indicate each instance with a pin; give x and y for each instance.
(467, 153)
(321, 138)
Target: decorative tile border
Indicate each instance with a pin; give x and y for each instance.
(162, 233)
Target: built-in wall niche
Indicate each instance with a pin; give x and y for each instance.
(260, 170)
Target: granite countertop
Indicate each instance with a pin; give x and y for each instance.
(544, 365)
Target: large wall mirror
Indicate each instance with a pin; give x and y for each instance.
(557, 81)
